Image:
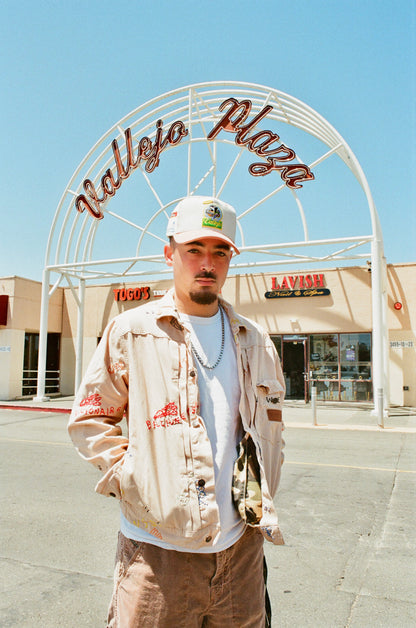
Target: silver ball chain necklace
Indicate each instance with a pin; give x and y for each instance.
(204, 363)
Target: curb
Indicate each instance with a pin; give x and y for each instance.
(35, 409)
(347, 427)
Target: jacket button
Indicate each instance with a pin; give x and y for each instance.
(201, 483)
(208, 539)
(192, 373)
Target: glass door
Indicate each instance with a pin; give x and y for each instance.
(294, 366)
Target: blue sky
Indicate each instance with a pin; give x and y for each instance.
(72, 69)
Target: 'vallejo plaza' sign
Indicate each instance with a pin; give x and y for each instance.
(264, 144)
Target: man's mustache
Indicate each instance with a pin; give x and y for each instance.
(206, 275)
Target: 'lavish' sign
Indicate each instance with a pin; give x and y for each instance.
(298, 286)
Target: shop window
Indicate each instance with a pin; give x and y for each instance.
(327, 389)
(355, 360)
(355, 356)
(356, 390)
(30, 364)
(323, 356)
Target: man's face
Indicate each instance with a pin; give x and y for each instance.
(199, 271)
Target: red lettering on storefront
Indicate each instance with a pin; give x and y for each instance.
(318, 281)
(308, 281)
(131, 294)
(299, 282)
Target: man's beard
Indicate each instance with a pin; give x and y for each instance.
(204, 297)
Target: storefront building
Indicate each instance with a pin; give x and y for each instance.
(320, 322)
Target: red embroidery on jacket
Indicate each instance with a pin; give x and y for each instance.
(193, 410)
(94, 410)
(91, 400)
(169, 415)
(104, 411)
(114, 367)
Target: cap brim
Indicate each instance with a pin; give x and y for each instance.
(198, 234)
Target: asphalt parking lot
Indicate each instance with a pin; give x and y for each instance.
(346, 504)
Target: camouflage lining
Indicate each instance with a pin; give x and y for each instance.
(246, 489)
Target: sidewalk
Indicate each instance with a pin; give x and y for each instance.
(348, 416)
(329, 415)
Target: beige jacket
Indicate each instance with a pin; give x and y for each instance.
(143, 367)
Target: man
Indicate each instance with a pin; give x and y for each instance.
(200, 387)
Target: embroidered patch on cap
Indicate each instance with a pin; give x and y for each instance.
(212, 216)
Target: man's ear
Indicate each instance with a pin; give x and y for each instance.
(168, 251)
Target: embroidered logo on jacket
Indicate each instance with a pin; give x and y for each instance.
(169, 415)
(115, 367)
(91, 400)
(273, 399)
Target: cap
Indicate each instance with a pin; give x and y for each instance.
(197, 217)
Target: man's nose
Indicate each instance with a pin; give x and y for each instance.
(208, 263)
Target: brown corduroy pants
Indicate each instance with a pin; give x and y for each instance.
(159, 588)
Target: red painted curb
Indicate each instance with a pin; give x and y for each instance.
(36, 408)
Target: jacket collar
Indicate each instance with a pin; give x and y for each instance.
(167, 307)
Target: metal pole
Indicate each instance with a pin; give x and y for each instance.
(43, 339)
(380, 405)
(313, 402)
(378, 335)
(80, 334)
(386, 359)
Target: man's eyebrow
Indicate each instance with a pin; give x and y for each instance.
(225, 247)
(194, 243)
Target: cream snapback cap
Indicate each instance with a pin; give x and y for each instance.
(197, 217)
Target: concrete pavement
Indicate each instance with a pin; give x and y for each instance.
(346, 505)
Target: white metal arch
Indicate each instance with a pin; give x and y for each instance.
(75, 252)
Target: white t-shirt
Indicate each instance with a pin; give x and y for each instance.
(219, 397)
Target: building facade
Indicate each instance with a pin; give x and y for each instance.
(320, 322)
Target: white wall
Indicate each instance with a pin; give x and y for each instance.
(12, 342)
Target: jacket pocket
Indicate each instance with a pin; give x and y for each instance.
(270, 394)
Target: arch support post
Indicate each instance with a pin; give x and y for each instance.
(80, 334)
(380, 380)
(43, 339)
